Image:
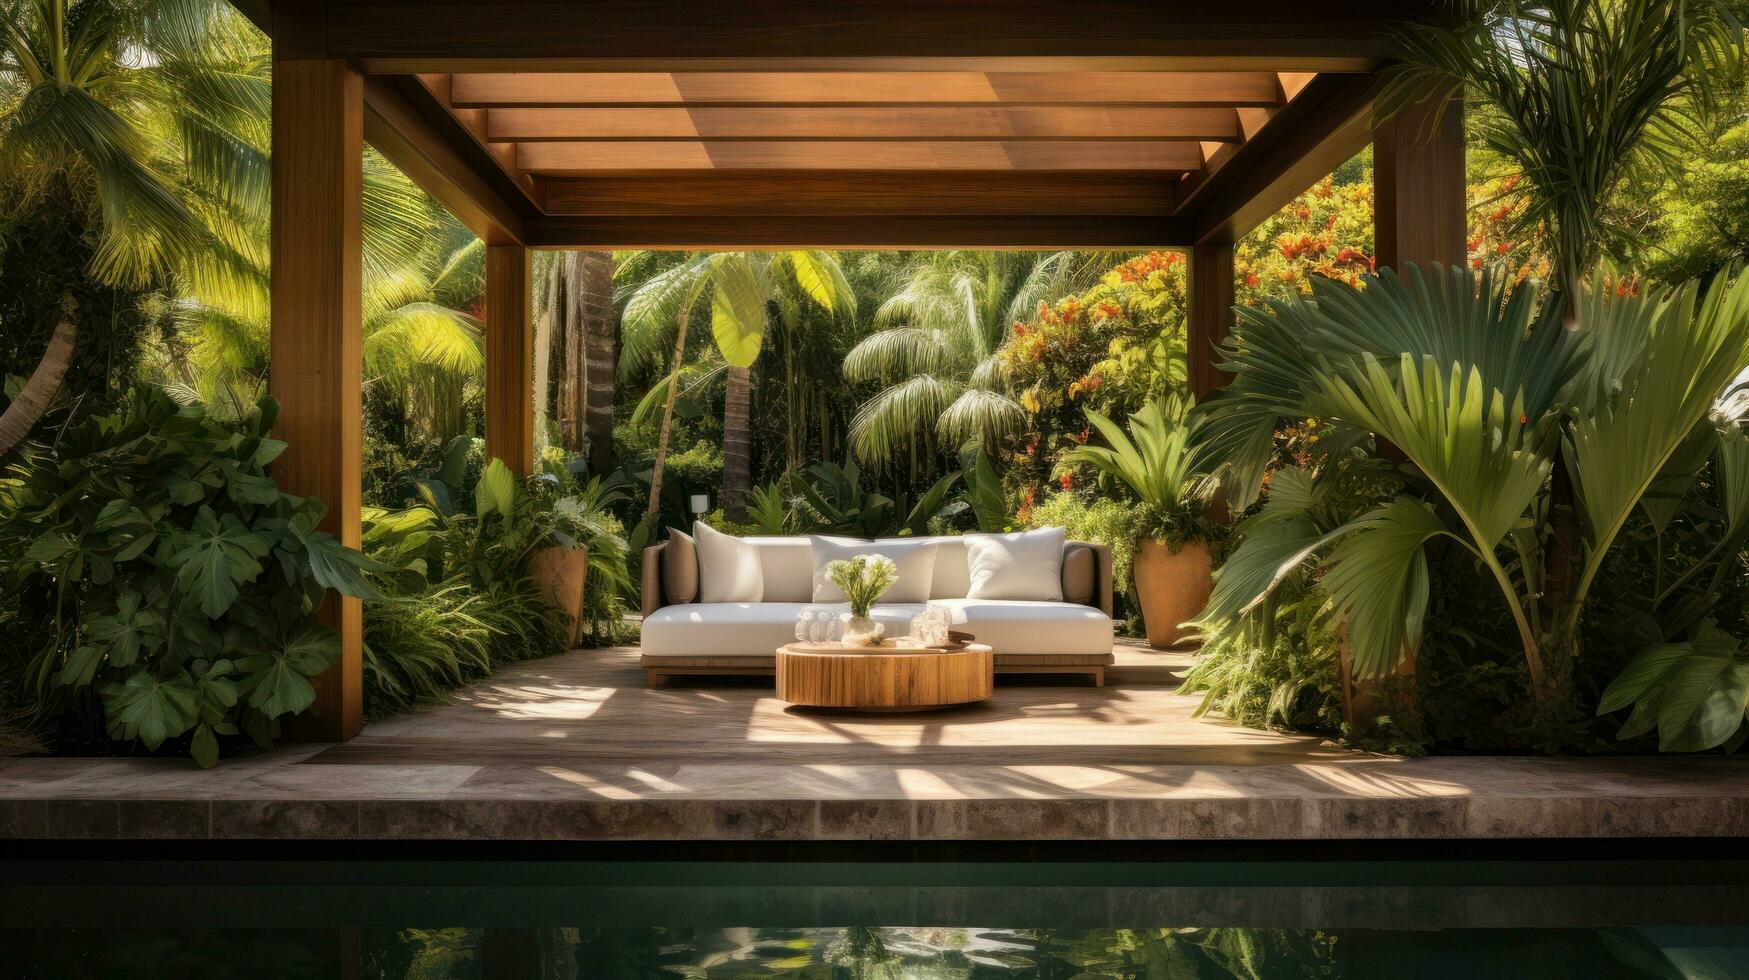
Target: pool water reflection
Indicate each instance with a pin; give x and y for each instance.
(703, 921)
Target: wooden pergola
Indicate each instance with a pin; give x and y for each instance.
(1024, 124)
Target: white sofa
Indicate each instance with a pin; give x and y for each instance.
(682, 636)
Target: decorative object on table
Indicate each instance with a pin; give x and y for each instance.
(863, 579)
(932, 625)
(818, 626)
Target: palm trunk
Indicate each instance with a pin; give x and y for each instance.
(737, 443)
(601, 350)
(1552, 677)
(547, 333)
(576, 365)
(27, 409)
(667, 419)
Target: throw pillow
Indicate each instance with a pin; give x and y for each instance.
(680, 568)
(915, 559)
(728, 567)
(1023, 565)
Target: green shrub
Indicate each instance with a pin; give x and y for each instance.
(419, 645)
(459, 602)
(185, 582)
(1103, 520)
(1274, 672)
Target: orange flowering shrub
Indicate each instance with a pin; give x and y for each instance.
(1327, 231)
(1108, 348)
(1495, 208)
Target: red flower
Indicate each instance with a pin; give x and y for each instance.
(1067, 480)
(1251, 279)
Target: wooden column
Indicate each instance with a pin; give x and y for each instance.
(1211, 315)
(1419, 217)
(316, 360)
(1418, 187)
(510, 356)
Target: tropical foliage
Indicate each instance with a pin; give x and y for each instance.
(934, 352)
(184, 582)
(1156, 464)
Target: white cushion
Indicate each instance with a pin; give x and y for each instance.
(728, 567)
(1021, 628)
(1022, 565)
(915, 561)
(788, 565)
(953, 577)
(746, 629)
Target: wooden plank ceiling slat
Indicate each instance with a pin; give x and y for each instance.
(865, 123)
(633, 89)
(576, 157)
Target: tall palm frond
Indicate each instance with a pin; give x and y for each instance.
(938, 333)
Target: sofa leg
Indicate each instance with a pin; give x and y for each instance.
(1098, 677)
(656, 678)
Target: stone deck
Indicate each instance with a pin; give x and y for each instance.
(576, 747)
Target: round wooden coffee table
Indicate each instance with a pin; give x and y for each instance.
(885, 678)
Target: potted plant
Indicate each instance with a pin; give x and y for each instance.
(1174, 569)
(864, 579)
(556, 523)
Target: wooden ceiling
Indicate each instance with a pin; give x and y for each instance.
(848, 143)
(879, 123)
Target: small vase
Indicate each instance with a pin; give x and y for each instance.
(862, 631)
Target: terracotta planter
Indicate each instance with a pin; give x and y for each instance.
(1173, 587)
(559, 573)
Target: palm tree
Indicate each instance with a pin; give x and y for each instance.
(164, 111)
(1579, 94)
(600, 357)
(741, 285)
(935, 354)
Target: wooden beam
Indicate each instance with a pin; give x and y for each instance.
(430, 147)
(865, 192)
(316, 356)
(1329, 122)
(1211, 315)
(426, 32)
(473, 122)
(1003, 231)
(1419, 187)
(866, 123)
(637, 90)
(510, 356)
(631, 156)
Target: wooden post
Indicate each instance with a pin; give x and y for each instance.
(510, 356)
(1211, 315)
(316, 358)
(1211, 318)
(1418, 187)
(1419, 217)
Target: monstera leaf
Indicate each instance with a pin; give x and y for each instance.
(149, 708)
(216, 557)
(130, 631)
(277, 680)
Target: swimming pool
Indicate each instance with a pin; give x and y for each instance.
(564, 918)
